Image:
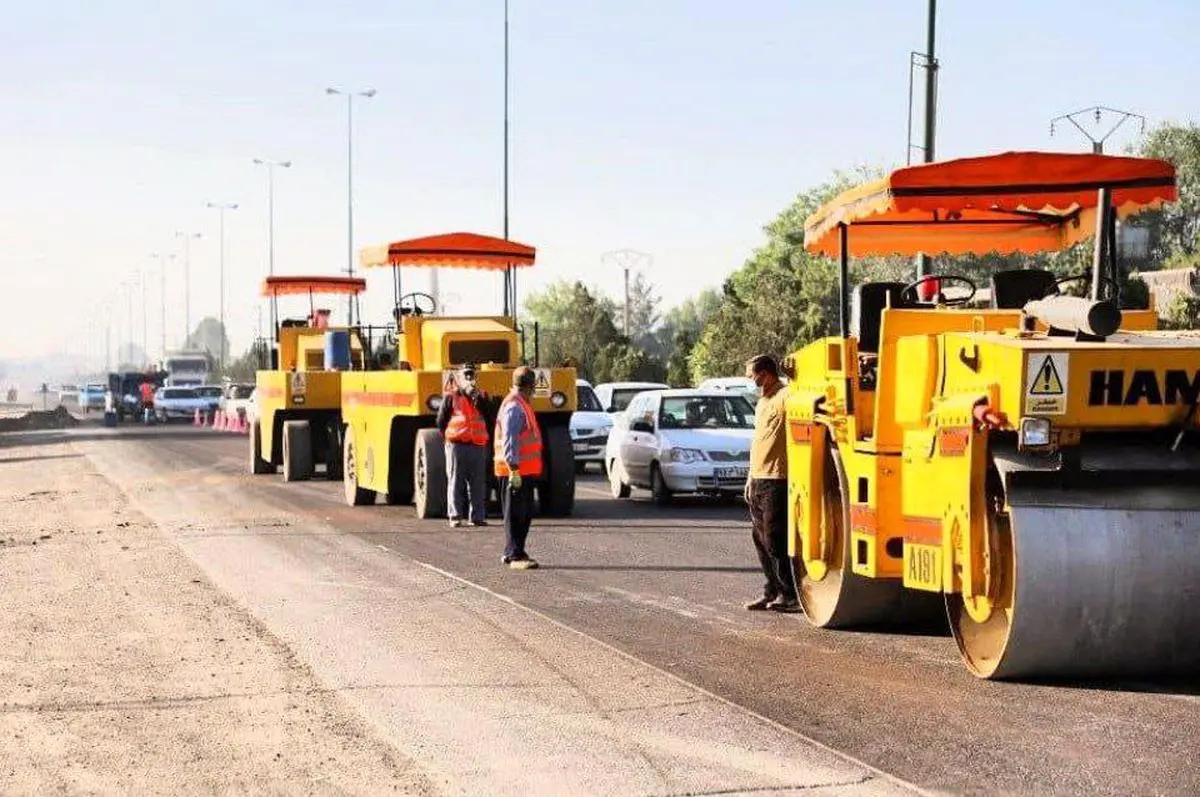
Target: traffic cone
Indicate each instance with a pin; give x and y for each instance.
(243, 424)
(197, 421)
(220, 423)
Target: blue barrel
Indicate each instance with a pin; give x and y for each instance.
(337, 350)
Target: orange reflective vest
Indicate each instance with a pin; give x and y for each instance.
(466, 422)
(529, 441)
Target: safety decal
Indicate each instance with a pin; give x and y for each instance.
(1046, 383)
(541, 386)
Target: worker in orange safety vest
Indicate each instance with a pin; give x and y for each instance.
(461, 422)
(518, 462)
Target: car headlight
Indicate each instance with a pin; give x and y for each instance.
(434, 403)
(1035, 432)
(558, 399)
(685, 455)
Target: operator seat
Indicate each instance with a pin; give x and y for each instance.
(1013, 288)
(866, 311)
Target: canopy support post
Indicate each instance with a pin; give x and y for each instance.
(1100, 247)
(844, 280)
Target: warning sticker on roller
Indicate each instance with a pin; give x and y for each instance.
(1046, 383)
(541, 387)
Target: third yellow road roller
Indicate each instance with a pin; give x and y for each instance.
(1032, 466)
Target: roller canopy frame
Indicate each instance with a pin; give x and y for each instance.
(1011, 202)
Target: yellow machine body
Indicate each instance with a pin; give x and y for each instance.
(385, 409)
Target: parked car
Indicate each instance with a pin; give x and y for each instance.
(174, 403)
(68, 393)
(234, 397)
(615, 396)
(734, 384)
(211, 396)
(590, 426)
(681, 441)
(91, 397)
(252, 407)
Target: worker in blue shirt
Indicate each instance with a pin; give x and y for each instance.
(518, 462)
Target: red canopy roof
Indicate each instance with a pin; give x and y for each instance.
(283, 286)
(450, 250)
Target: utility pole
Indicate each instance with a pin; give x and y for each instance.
(928, 61)
(162, 284)
(1098, 114)
(145, 344)
(221, 207)
(510, 308)
(271, 164)
(350, 95)
(627, 260)
(187, 237)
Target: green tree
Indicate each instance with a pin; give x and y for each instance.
(243, 368)
(1175, 228)
(621, 361)
(575, 323)
(208, 335)
(679, 372)
(643, 311)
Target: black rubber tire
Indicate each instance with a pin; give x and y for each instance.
(658, 487)
(617, 486)
(333, 451)
(556, 490)
(297, 451)
(258, 465)
(401, 443)
(355, 495)
(429, 474)
(580, 468)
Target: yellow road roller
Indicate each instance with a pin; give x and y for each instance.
(1034, 465)
(299, 397)
(390, 444)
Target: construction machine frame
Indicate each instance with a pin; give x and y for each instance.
(390, 444)
(300, 400)
(1031, 467)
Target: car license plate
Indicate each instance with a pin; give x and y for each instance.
(732, 473)
(581, 448)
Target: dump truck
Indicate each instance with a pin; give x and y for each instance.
(299, 395)
(390, 444)
(1031, 468)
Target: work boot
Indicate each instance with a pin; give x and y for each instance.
(455, 523)
(784, 605)
(761, 604)
(478, 523)
(523, 564)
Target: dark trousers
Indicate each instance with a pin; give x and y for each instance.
(768, 519)
(518, 514)
(466, 472)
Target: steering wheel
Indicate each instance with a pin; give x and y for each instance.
(1113, 288)
(416, 303)
(909, 294)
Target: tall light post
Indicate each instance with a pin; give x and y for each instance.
(271, 164)
(162, 290)
(221, 207)
(350, 95)
(145, 341)
(187, 237)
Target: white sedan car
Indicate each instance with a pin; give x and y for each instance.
(681, 441)
(590, 426)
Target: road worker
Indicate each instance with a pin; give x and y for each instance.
(518, 461)
(766, 488)
(461, 422)
(147, 406)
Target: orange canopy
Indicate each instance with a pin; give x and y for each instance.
(283, 286)
(1012, 202)
(453, 250)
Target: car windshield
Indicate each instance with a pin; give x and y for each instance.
(585, 397)
(178, 393)
(241, 391)
(209, 392)
(622, 397)
(706, 412)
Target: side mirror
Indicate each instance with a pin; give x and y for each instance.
(642, 426)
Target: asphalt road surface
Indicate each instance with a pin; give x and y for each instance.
(666, 586)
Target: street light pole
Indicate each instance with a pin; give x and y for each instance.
(162, 285)
(271, 164)
(145, 344)
(350, 95)
(221, 207)
(187, 237)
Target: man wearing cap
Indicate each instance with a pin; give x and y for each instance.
(461, 421)
(518, 462)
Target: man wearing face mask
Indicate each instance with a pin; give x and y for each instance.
(461, 421)
(766, 488)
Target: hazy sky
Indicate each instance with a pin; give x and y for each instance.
(673, 127)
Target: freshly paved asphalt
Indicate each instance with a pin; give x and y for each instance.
(666, 586)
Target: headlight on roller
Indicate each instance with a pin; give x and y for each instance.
(1035, 433)
(558, 399)
(434, 403)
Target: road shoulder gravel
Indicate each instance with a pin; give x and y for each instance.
(124, 670)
